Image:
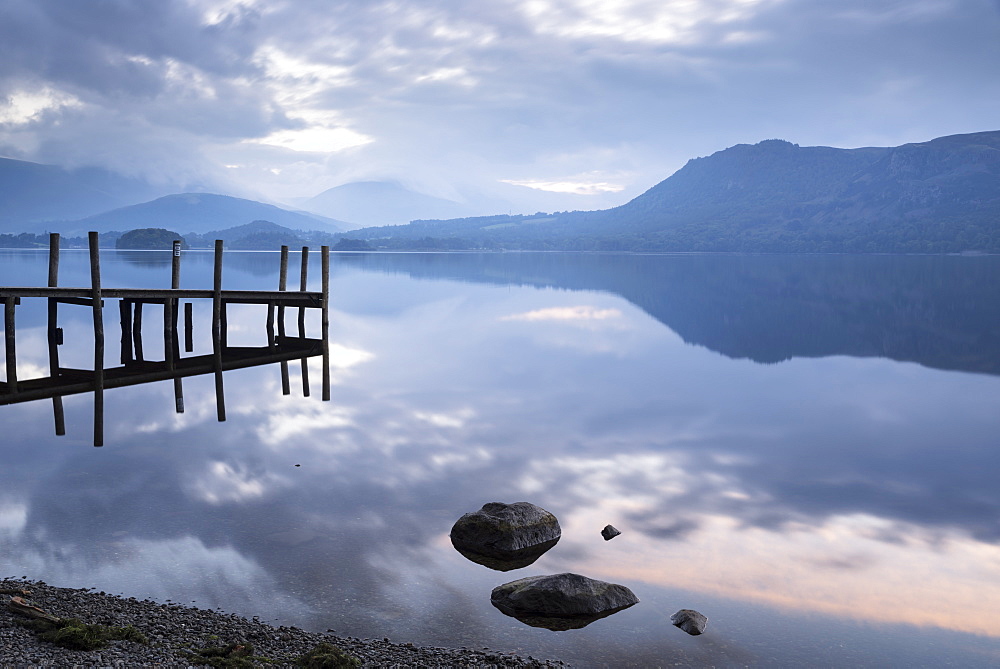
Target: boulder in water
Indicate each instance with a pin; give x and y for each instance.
(561, 601)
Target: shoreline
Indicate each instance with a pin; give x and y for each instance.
(176, 633)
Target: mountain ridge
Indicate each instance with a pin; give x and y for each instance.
(198, 213)
(942, 195)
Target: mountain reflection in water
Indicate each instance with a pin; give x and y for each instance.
(839, 508)
(938, 311)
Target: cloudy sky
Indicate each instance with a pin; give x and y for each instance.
(581, 103)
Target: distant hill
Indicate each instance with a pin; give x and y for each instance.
(149, 239)
(774, 196)
(372, 203)
(196, 212)
(256, 235)
(32, 193)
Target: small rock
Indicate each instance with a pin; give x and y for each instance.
(690, 621)
(610, 532)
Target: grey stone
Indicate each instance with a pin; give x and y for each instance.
(690, 621)
(505, 536)
(610, 532)
(561, 601)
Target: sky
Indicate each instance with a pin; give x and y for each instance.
(554, 104)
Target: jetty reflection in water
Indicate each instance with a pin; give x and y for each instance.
(135, 369)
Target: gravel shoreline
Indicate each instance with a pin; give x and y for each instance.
(174, 632)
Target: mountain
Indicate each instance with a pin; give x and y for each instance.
(774, 196)
(32, 193)
(196, 212)
(372, 203)
(929, 192)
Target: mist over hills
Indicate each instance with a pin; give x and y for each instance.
(374, 203)
(38, 198)
(774, 196)
(196, 212)
(32, 192)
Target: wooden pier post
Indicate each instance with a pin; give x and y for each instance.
(125, 313)
(9, 341)
(175, 265)
(168, 339)
(269, 324)
(170, 343)
(137, 332)
(282, 286)
(217, 325)
(58, 415)
(95, 296)
(188, 327)
(326, 322)
(224, 321)
(303, 279)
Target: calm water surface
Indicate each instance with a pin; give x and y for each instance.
(805, 449)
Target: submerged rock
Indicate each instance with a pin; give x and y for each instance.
(505, 536)
(690, 621)
(561, 601)
(610, 532)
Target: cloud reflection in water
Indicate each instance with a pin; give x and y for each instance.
(859, 489)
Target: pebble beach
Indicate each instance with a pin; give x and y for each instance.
(182, 636)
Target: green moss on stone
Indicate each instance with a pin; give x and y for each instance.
(327, 656)
(232, 656)
(78, 635)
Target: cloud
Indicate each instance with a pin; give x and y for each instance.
(466, 99)
(672, 22)
(577, 313)
(26, 106)
(13, 517)
(225, 482)
(577, 187)
(317, 139)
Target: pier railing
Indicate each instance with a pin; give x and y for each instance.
(135, 369)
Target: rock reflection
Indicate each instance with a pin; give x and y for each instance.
(561, 624)
(512, 560)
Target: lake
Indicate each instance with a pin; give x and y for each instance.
(803, 448)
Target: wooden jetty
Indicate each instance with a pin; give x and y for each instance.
(135, 369)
